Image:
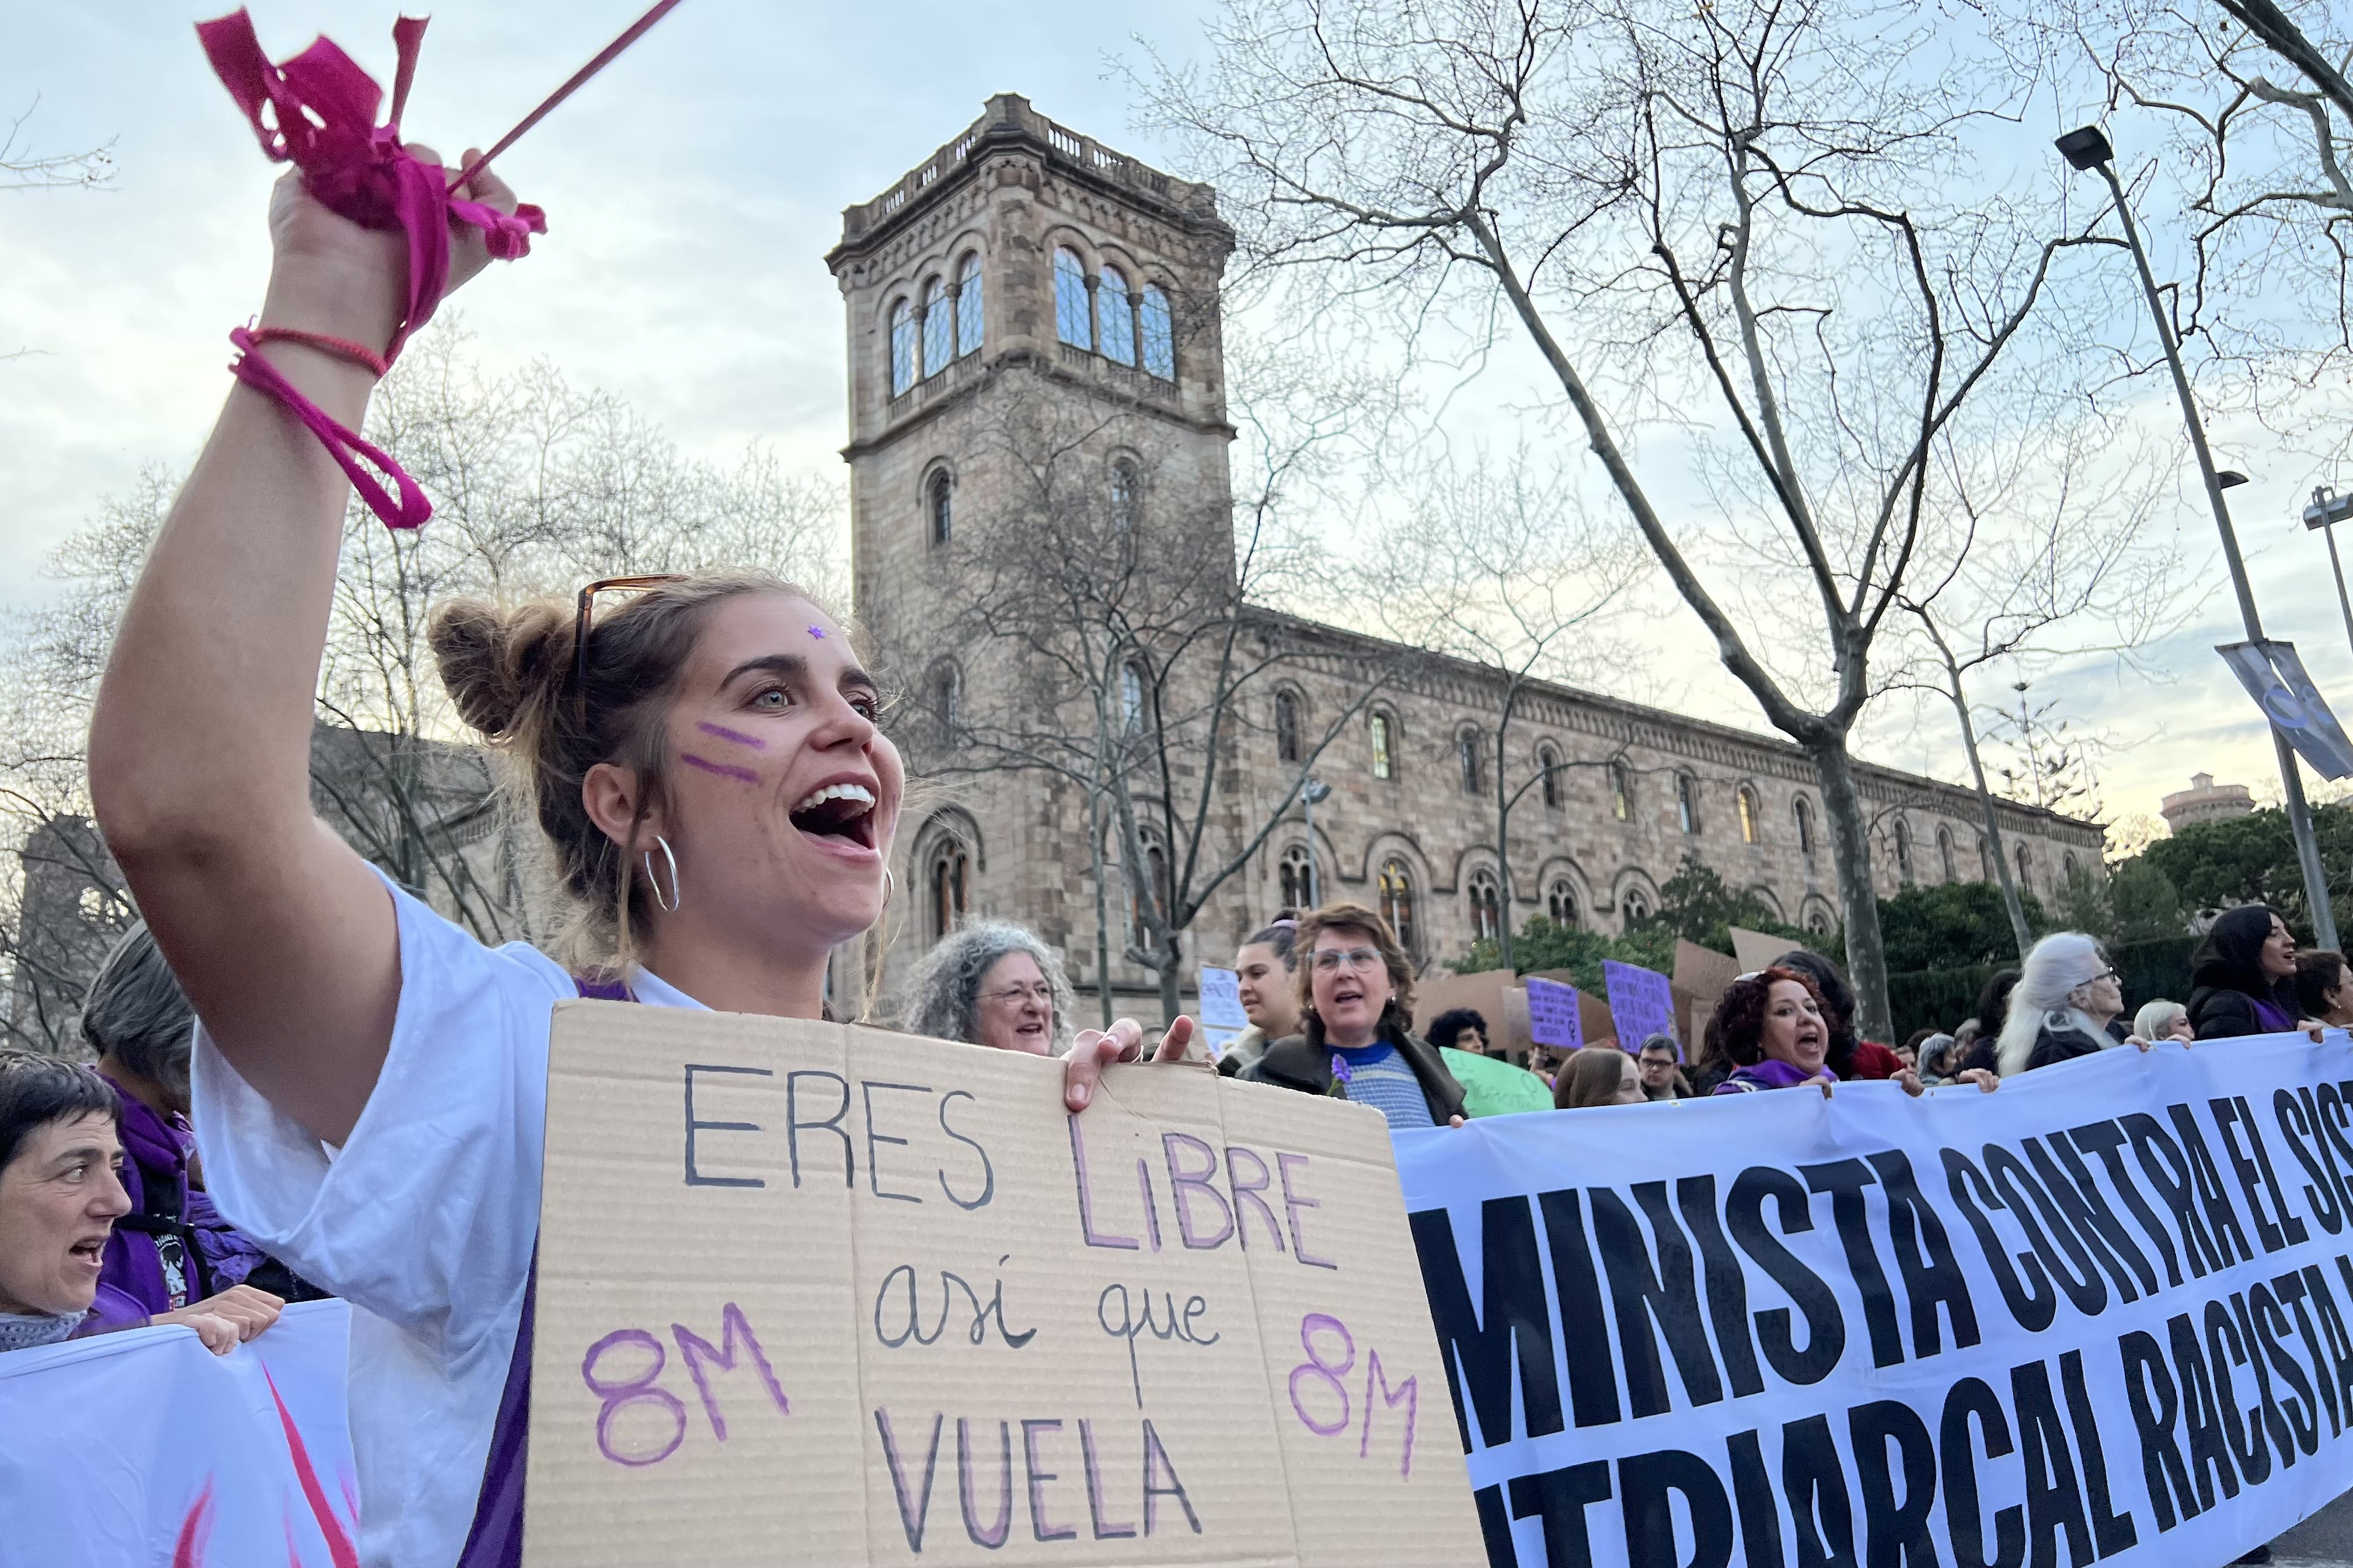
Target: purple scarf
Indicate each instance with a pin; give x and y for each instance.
(2274, 1018)
(1770, 1073)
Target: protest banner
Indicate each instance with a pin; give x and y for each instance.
(817, 1294)
(1642, 1002)
(144, 1447)
(1552, 1017)
(1221, 1008)
(2100, 1314)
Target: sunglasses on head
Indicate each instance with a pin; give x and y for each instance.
(580, 625)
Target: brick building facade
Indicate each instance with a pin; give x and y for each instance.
(1026, 274)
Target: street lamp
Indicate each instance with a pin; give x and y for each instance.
(1313, 793)
(2326, 511)
(2087, 151)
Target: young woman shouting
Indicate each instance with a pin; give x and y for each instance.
(704, 760)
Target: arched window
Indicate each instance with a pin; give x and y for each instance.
(1472, 754)
(2067, 864)
(1131, 695)
(902, 347)
(1140, 913)
(1818, 922)
(939, 328)
(1293, 874)
(1115, 316)
(1635, 904)
(1396, 904)
(1621, 793)
(1804, 811)
(1560, 902)
(1985, 860)
(1126, 493)
(967, 306)
(1159, 333)
(1687, 803)
(946, 695)
(2025, 871)
(1944, 854)
(948, 882)
(1744, 802)
(1487, 908)
(1286, 727)
(1073, 323)
(939, 502)
(1903, 852)
(1548, 763)
(1384, 754)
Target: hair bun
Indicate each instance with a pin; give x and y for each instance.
(498, 665)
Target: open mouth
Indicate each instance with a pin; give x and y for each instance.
(91, 1253)
(842, 812)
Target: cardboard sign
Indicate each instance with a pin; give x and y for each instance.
(1704, 974)
(1493, 993)
(1640, 1001)
(1552, 1014)
(1221, 1008)
(817, 1294)
(1753, 950)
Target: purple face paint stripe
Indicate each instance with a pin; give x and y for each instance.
(723, 769)
(741, 739)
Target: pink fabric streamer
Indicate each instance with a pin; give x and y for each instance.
(318, 111)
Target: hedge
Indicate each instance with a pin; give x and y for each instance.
(1940, 998)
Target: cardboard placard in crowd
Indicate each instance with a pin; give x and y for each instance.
(1552, 1017)
(817, 1294)
(1222, 1018)
(1495, 994)
(1704, 974)
(1642, 1001)
(1753, 950)
(1593, 1020)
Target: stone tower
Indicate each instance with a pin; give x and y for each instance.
(1023, 279)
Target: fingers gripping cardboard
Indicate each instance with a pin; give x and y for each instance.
(811, 1294)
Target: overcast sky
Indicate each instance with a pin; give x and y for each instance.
(693, 191)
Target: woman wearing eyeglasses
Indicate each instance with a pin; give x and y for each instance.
(1356, 1012)
(703, 757)
(992, 984)
(2068, 1003)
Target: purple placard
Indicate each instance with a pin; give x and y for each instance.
(1641, 1003)
(1552, 1014)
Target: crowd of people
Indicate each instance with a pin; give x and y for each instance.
(365, 1092)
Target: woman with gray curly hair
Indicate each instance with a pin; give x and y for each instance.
(991, 983)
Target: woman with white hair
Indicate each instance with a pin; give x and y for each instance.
(992, 984)
(2065, 1005)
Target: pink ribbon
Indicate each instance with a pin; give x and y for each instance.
(320, 116)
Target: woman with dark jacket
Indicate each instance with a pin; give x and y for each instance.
(1355, 1009)
(2068, 1004)
(2242, 978)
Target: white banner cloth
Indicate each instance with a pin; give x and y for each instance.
(2099, 1315)
(139, 1449)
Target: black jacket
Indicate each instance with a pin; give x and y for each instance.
(2226, 976)
(1292, 1063)
(2064, 1045)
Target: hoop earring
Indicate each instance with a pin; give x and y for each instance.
(654, 887)
(890, 886)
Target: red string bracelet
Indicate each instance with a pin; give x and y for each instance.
(359, 353)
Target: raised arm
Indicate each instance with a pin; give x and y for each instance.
(199, 749)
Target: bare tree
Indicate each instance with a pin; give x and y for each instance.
(1118, 638)
(1505, 569)
(23, 169)
(2048, 556)
(1729, 223)
(537, 487)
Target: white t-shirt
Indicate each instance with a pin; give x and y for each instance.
(423, 1220)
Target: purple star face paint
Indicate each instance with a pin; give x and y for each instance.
(724, 769)
(741, 739)
(818, 632)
